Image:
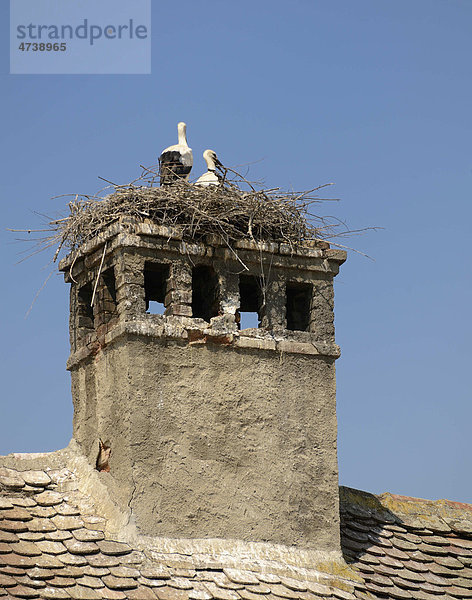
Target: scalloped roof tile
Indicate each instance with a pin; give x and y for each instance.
(54, 545)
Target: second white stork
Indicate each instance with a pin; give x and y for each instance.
(211, 177)
(175, 162)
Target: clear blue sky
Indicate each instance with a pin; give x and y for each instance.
(375, 96)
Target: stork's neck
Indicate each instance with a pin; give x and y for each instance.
(182, 134)
(211, 166)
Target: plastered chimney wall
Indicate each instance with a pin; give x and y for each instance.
(215, 432)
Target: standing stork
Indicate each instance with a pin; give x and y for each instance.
(211, 177)
(175, 162)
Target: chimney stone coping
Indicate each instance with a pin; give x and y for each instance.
(130, 232)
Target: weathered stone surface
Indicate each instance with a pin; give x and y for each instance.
(92, 571)
(47, 561)
(402, 544)
(134, 558)
(16, 560)
(79, 592)
(318, 588)
(48, 498)
(61, 581)
(67, 510)
(49, 593)
(114, 548)
(92, 582)
(156, 572)
(51, 547)
(73, 560)
(124, 572)
(13, 526)
(217, 592)
(168, 593)
(23, 502)
(22, 591)
(7, 581)
(293, 584)
(461, 582)
(69, 523)
(242, 577)
(58, 536)
(342, 595)
(222, 581)
(281, 591)
(108, 594)
(41, 573)
(76, 547)
(102, 560)
(119, 583)
(36, 478)
(31, 536)
(247, 595)
(181, 583)
(28, 581)
(11, 478)
(152, 583)
(427, 565)
(262, 588)
(26, 548)
(13, 571)
(415, 566)
(6, 548)
(411, 576)
(450, 562)
(88, 535)
(94, 520)
(43, 512)
(268, 577)
(41, 525)
(140, 593)
(199, 592)
(73, 571)
(184, 572)
(458, 592)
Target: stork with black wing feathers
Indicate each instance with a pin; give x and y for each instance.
(175, 162)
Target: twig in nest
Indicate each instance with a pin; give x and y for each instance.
(38, 292)
(98, 274)
(237, 209)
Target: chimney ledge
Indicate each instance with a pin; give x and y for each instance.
(182, 330)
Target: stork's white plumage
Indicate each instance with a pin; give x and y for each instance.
(175, 162)
(210, 177)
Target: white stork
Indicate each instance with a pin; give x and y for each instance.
(175, 162)
(210, 177)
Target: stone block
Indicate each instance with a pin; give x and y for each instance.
(259, 344)
(182, 310)
(178, 297)
(296, 347)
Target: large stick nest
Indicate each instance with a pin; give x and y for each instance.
(235, 210)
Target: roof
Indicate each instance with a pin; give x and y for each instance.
(55, 542)
(408, 547)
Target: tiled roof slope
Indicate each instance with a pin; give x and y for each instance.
(407, 547)
(53, 544)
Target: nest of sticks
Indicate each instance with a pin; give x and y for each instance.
(236, 209)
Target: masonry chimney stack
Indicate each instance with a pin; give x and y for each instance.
(214, 432)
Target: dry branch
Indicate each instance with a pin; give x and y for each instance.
(235, 210)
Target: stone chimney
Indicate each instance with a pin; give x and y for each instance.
(208, 431)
